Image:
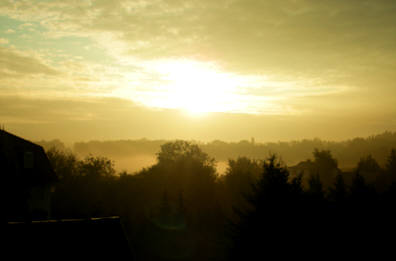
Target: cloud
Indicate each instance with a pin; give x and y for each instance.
(25, 25)
(15, 63)
(55, 110)
(292, 37)
(4, 41)
(319, 48)
(91, 118)
(49, 74)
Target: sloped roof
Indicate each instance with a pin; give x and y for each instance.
(24, 160)
(73, 239)
(306, 167)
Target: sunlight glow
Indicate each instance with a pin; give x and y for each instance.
(199, 88)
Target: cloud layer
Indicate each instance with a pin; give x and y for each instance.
(309, 57)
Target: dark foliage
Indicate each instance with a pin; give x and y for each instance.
(285, 221)
(181, 209)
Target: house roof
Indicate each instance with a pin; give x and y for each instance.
(306, 167)
(90, 239)
(24, 161)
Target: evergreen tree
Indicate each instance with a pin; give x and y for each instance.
(369, 168)
(338, 193)
(390, 166)
(315, 187)
(272, 221)
(361, 193)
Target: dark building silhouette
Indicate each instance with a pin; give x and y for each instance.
(27, 179)
(27, 182)
(72, 239)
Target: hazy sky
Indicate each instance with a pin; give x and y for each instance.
(203, 69)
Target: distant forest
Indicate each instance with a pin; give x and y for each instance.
(133, 155)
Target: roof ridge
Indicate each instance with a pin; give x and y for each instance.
(70, 220)
(15, 136)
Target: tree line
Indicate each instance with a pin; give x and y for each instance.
(348, 152)
(180, 208)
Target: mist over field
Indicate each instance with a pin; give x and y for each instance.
(133, 155)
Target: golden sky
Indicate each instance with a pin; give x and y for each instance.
(202, 69)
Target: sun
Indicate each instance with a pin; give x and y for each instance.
(196, 88)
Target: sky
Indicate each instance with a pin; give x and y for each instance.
(197, 69)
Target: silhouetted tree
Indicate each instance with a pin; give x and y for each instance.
(183, 166)
(315, 187)
(64, 163)
(96, 167)
(241, 174)
(86, 187)
(390, 166)
(182, 150)
(325, 165)
(369, 168)
(361, 192)
(368, 164)
(265, 228)
(338, 192)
